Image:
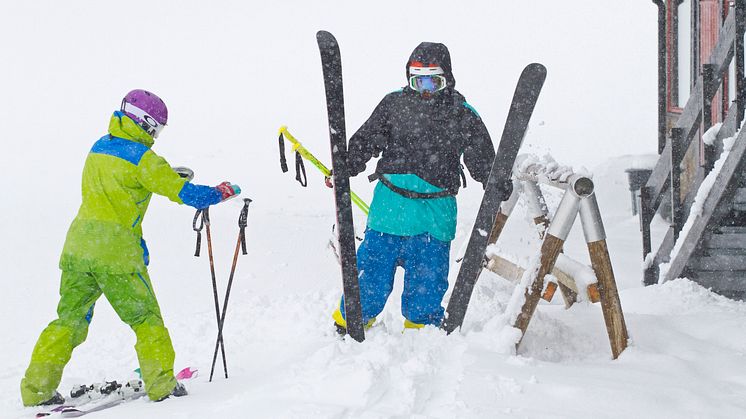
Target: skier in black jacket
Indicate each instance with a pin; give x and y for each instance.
(420, 133)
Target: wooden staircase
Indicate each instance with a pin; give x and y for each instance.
(712, 249)
(719, 260)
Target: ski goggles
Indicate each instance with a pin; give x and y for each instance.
(427, 84)
(426, 79)
(147, 122)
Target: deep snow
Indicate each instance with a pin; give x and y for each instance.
(232, 72)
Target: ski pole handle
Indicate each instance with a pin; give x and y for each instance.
(243, 222)
(204, 220)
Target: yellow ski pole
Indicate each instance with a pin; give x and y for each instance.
(303, 151)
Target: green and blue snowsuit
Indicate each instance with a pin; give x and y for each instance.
(421, 142)
(104, 253)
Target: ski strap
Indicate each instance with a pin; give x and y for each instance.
(242, 223)
(204, 219)
(283, 161)
(300, 168)
(406, 192)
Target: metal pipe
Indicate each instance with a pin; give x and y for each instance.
(506, 207)
(534, 201)
(565, 216)
(590, 219)
(583, 185)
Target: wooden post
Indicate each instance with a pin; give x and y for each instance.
(513, 272)
(537, 208)
(502, 216)
(550, 250)
(611, 306)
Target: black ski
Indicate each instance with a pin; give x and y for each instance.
(524, 100)
(332, 67)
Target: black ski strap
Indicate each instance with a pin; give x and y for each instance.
(283, 162)
(204, 219)
(406, 192)
(462, 174)
(242, 223)
(300, 168)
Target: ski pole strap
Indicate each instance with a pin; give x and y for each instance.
(242, 222)
(406, 192)
(462, 174)
(283, 162)
(204, 219)
(300, 168)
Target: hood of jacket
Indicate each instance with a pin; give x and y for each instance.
(429, 53)
(122, 126)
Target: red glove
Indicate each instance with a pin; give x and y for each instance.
(228, 191)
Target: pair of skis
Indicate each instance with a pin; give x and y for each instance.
(85, 399)
(524, 100)
(94, 398)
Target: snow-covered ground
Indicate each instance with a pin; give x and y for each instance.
(232, 72)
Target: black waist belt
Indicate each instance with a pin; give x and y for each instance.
(406, 192)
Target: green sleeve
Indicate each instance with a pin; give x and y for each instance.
(157, 176)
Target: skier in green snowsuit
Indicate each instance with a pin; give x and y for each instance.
(104, 252)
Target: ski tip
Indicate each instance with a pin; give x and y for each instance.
(325, 36)
(536, 68)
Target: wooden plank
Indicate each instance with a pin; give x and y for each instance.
(513, 272)
(694, 183)
(722, 188)
(664, 251)
(725, 241)
(740, 195)
(659, 178)
(730, 230)
(720, 280)
(691, 116)
(497, 228)
(651, 273)
(569, 295)
(548, 294)
(718, 262)
(725, 251)
(611, 306)
(593, 294)
(723, 52)
(739, 206)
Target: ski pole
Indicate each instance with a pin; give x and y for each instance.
(205, 221)
(240, 243)
(303, 151)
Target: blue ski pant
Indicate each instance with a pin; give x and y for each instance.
(425, 262)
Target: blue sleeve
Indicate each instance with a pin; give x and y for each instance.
(199, 196)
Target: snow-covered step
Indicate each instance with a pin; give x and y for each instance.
(725, 241)
(740, 195)
(730, 230)
(728, 283)
(718, 262)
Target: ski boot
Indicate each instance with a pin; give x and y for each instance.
(178, 391)
(341, 325)
(56, 399)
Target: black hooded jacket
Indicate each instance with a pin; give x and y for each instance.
(425, 136)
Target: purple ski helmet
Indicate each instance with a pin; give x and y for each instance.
(147, 110)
